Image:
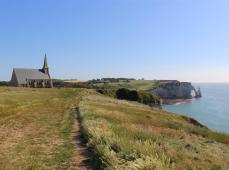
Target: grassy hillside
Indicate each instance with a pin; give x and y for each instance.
(142, 84)
(126, 135)
(35, 127)
(132, 85)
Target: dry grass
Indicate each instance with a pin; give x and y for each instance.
(76, 81)
(35, 127)
(126, 135)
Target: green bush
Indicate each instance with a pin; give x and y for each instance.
(125, 94)
(138, 96)
(107, 92)
(4, 83)
(148, 98)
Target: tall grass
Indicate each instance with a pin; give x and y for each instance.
(125, 135)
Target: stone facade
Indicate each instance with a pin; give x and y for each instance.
(37, 78)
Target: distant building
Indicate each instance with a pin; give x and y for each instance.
(37, 78)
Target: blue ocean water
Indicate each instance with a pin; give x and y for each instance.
(211, 110)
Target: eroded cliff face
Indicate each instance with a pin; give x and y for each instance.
(174, 90)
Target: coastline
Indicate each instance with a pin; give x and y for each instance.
(176, 101)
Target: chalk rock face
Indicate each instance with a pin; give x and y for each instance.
(174, 90)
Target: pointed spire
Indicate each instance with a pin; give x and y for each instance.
(45, 62)
(45, 68)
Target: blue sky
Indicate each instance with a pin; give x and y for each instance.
(186, 40)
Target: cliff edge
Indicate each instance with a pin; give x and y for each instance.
(175, 90)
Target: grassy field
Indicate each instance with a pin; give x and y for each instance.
(36, 127)
(139, 85)
(126, 135)
(132, 85)
(75, 81)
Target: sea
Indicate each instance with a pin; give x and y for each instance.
(211, 110)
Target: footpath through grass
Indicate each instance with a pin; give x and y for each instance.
(36, 127)
(125, 135)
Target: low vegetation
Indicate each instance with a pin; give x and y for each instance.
(139, 85)
(109, 84)
(4, 83)
(36, 127)
(138, 96)
(128, 135)
(132, 95)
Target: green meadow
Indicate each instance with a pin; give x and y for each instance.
(132, 85)
(36, 127)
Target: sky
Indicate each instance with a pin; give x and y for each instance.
(187, 40)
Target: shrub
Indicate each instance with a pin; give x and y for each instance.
(126, 94)
(107, 92)
(131, 95)
(139, 96)
(122, 94)
(4, 83)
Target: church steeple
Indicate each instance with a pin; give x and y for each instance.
(45, 68)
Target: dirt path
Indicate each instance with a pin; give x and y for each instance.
(83, 159)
